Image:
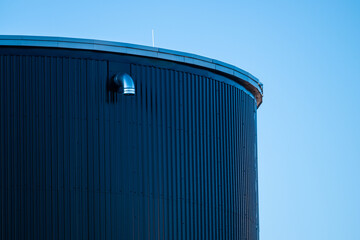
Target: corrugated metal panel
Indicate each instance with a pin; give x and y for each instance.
(175, 161)
(241, 76)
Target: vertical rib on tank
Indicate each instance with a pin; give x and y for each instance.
(177, 160)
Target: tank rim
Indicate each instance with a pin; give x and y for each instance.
(244, 78)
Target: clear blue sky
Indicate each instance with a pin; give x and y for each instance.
(306, 53)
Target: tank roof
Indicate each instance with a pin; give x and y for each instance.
(244, 78)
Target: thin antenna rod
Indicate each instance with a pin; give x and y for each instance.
(153, 38)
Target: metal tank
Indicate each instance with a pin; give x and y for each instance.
(106, 140)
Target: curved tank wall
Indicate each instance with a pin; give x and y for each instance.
(177, 160)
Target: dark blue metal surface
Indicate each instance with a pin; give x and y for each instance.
(245, 78)
(177, 160)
